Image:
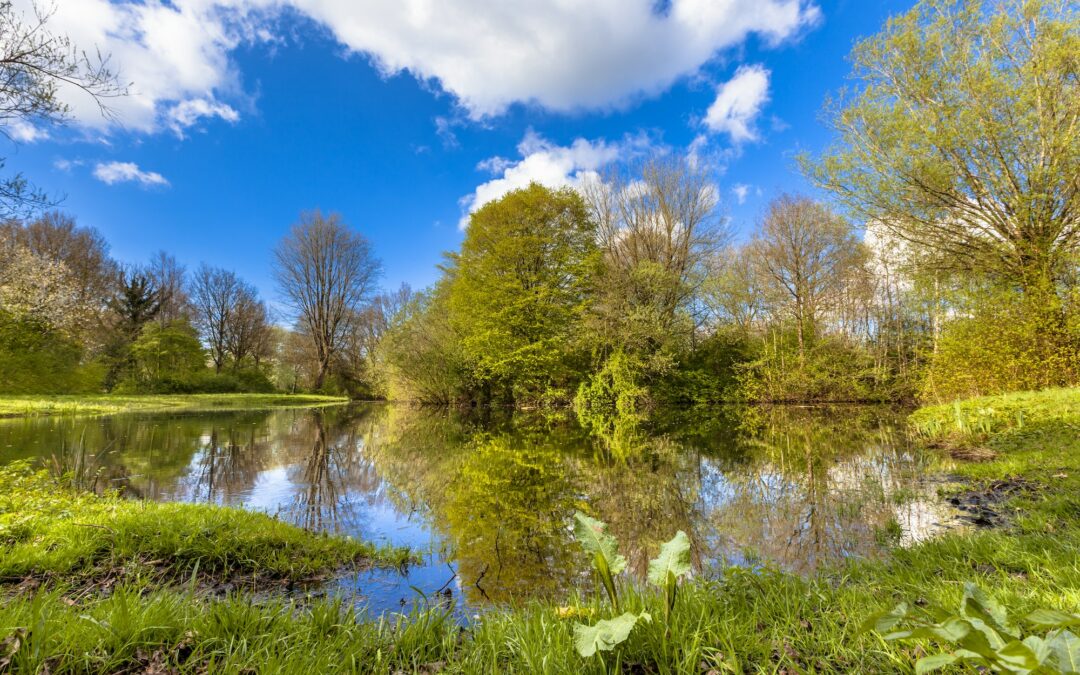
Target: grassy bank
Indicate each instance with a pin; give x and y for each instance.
(105, 404)
(740, 622)
(50, 535)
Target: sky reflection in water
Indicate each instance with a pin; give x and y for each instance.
(487, 499)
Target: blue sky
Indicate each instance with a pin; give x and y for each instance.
(246, 113)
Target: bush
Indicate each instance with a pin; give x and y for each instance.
(36, 359)
(1003, 345)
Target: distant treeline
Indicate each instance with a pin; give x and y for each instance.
(945, 266)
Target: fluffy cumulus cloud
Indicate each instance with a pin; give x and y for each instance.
(112, 173)
(175, 56)
(738, 104)
(548, 164)
(487, 54)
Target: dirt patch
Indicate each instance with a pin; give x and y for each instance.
(100, 582)
(964, 452)
(984, 506)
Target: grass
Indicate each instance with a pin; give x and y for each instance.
(51, 534)
(107, 404)
(743, 621)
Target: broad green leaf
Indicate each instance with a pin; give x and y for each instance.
(1038, 646)
(978, 605)
(604, 635)
(1052, 618)
(953, 630)
(885, 621)
(1066, 651)
(1018, 655)
(928, 664)
(593, 535)
(674, 559)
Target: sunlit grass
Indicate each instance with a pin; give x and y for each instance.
(104, 404)
(51, 534)
(742, 621)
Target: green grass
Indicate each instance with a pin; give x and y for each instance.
(51, 534)
(742, 622)
(105, 404)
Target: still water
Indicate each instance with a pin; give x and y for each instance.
(487, 499)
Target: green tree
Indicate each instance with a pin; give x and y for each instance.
(518, 288)
(166, 358)
(964, 134)
(962, 137)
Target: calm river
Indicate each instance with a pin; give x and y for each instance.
(487, 500)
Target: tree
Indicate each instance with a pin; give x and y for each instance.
(658, 227)
(35, 64)
(327, 272)
(963, 137)
(733, 290)
(518, 286)
(84, 255)
(170, 278)
(247, 328)
(369, 327)
(135, 302)
(214, 292)
(805, 254)
(166, 357)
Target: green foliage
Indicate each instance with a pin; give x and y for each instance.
(107, 404)
(606, 634)
(664, 571)
(1003, 343)
(672, 564)
(983, 636)
(594, 538)
(614, 390)
(828, 369)
(165, 359)
(422, 356)
(516, 291)
(36, 359)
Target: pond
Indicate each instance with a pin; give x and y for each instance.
(487, 498)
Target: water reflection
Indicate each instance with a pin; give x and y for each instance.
(489, 498)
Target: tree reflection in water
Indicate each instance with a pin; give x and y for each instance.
(794, 487)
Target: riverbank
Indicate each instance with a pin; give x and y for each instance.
(107, 404)
(1020, 453)
(52, 535)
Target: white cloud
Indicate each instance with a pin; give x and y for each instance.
(740, 190)
(66, 165)
(548, 164)
(187, 113)
(561, 55)
(487, 54)
(24, 132)
(738, 103)
(112, 173)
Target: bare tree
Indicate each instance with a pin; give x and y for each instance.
(657, 225)
(732, 292)
(35, 64)
(247, 327)
(170, 279)
(215, 292)
(327, 272)
(805, 254)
